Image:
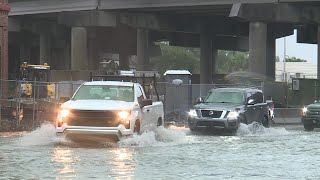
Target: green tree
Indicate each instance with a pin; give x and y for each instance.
(231, 61)
(291, 59)
(176, 58)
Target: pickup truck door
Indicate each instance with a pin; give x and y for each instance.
(146, 111)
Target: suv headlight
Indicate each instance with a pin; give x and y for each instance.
(193, 113)
(233, 115)
(304, 111)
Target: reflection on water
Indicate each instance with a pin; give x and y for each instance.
(64, 159)
(254, 152)
(122, 164)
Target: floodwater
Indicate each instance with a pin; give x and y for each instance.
(173, 153)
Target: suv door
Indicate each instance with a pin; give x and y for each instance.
(260, 105)
(250, 112)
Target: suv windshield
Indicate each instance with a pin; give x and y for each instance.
(105, 92)
(219, 96)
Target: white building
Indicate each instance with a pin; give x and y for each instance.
(296, 70)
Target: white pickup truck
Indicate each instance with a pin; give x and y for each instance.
(108, 109)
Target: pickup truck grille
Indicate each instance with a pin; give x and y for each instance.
(93, 118)
(314, 112)
(211, 113)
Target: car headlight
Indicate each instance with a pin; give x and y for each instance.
(233, 115)
(304, 110)
(193, 113)
(123, 114)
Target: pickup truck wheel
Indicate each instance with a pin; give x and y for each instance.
(265, 122)
(309, 126)
(159, 123)
(136, 127)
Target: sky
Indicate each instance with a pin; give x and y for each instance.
(299, 50)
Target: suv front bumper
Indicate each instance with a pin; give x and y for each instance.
(196, 122)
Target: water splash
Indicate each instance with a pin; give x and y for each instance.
(256, 129)
(159, 137)
(43, 135)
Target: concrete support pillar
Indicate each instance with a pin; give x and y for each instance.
(79, 51)
(142, 49)
(214, 59)
(318, 68)
(123, 58)
(93, 50)
(206, 64)
(45, 49)
(271, 58)
(258, 48)
(25, 53)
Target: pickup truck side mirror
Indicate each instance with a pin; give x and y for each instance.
(250, 102)
(145, 102)
(64, 99)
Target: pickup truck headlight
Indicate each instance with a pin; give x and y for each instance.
(233, 115)
(193, 113)
(123, 114)
(62, 115)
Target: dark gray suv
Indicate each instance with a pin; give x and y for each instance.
(228, 107)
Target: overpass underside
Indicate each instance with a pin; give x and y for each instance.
(77, 35)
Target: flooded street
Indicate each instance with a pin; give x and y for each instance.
(174, 153)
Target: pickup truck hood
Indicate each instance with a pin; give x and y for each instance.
(97, 105)
(218, 106)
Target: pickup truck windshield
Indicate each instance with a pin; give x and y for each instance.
(105, 92)
(218, 96)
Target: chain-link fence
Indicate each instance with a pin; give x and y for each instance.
(27, 104)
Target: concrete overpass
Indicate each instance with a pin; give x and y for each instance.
(75, 34)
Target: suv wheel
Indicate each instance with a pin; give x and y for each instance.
(265, 122)
(243, 120)
(309, 126)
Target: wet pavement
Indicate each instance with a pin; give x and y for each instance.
(281, 152)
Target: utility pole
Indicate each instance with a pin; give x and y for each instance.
(284, 60)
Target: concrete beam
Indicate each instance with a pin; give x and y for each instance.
(307, 34)
(129, 4)
(277, 12)
(232, 43)
(183, 24)
(24, 7)
(88, 18)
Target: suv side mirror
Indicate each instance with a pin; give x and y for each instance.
(316, 101)
(250, 102)
(145, 102)
(199, 100)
